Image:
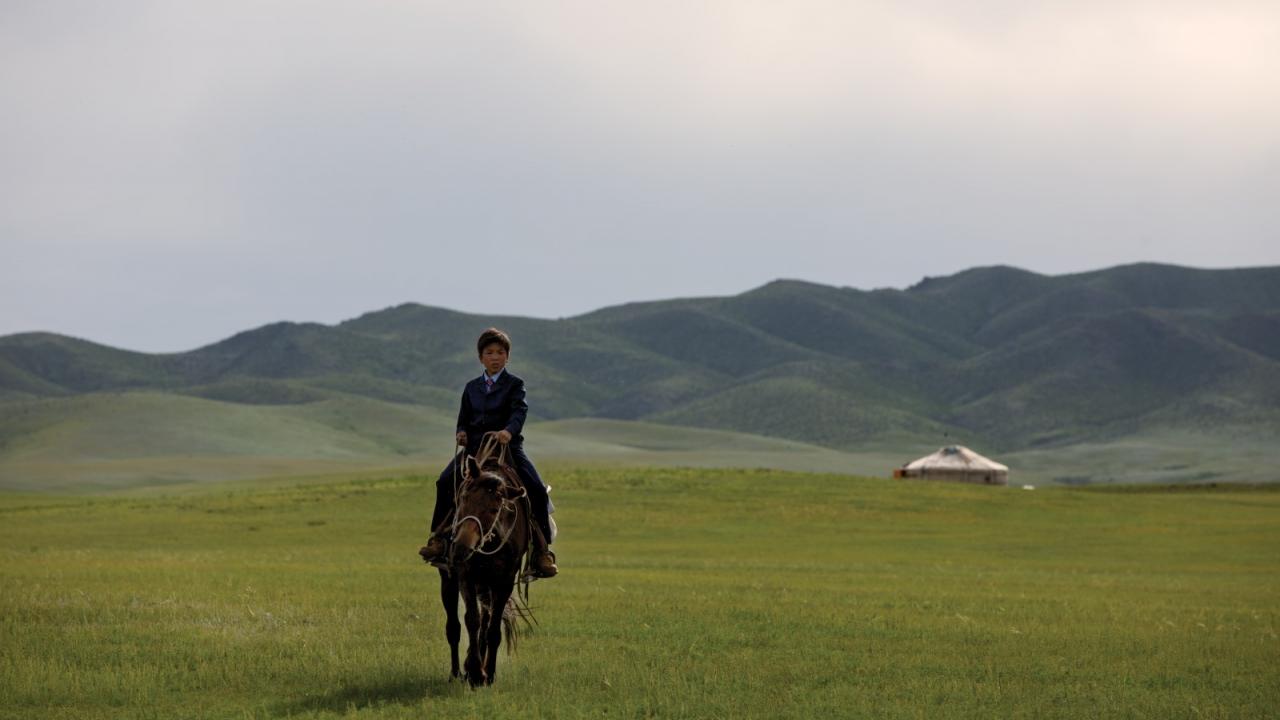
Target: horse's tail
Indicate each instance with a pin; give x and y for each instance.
(516, 616)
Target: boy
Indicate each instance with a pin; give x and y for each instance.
(494, 402)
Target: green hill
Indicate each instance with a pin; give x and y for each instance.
(1000, 358)
(109, 441)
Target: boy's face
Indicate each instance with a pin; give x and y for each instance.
(494, 358)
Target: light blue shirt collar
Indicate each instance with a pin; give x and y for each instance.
(494, 378)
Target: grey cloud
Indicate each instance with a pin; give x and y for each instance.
(179, 171)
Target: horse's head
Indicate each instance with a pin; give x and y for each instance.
(485, 507)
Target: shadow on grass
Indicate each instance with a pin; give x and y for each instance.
(404, 690)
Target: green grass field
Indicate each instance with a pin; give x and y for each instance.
(684, 593)
(111, 441)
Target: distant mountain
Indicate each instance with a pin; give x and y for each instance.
(1000, 357)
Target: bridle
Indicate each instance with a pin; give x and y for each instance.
(507, 506)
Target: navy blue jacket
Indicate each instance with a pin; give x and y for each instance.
(502, 408)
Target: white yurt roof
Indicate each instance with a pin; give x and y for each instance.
(959, 458)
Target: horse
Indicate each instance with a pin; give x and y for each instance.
(491, 535)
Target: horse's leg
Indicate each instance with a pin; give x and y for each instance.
(474, 670)
(452, 628)
(498, 596)
(486, 611)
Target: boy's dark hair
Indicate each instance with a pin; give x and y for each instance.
(493, 336)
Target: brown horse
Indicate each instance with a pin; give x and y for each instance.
(491, 535)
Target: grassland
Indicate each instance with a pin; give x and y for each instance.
(112, 441)
(684, 593)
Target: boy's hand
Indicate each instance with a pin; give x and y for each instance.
(504, 437)
(461, 438)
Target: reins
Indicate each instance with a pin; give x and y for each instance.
(487, 445)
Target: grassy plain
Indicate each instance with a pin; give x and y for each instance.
(111, 441)
(684, 593)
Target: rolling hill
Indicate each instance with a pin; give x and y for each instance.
(997, 357)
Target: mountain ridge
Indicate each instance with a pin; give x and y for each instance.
(1006, 357)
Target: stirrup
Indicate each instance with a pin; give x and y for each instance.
(439, 560)
(536, 573)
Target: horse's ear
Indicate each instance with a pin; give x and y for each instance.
(472, 470)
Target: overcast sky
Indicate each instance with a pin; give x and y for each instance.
(174, 172)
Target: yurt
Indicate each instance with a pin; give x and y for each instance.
(958, 464)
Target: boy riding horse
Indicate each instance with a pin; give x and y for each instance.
(494, 403)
